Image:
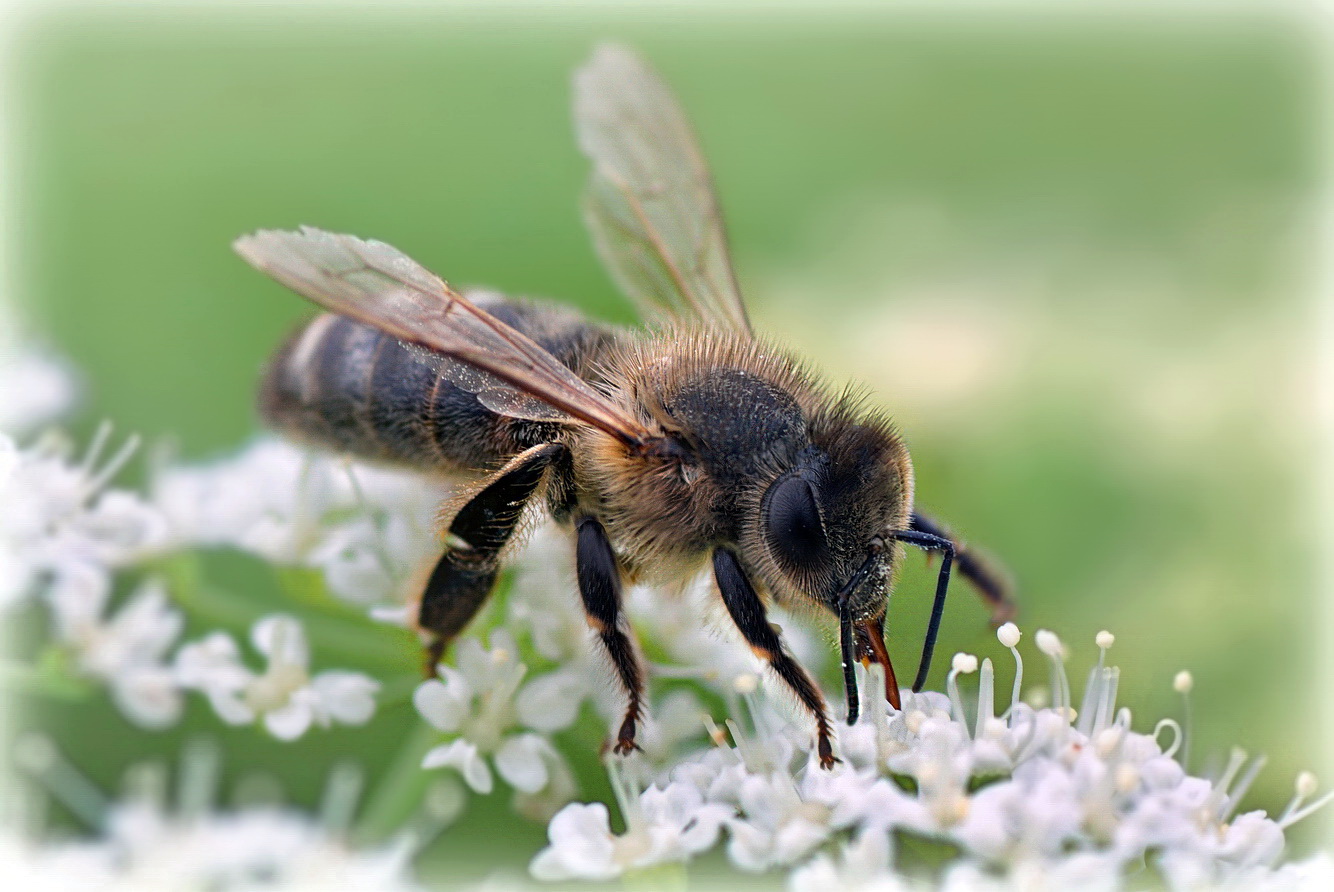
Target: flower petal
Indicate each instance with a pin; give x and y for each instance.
(582, 846)
(439, 705)
(550, 702)
(282, 640)
(463, 756)
(347, 697)
(519, 761)
(290, 721)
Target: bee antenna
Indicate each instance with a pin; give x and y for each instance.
(930, 542)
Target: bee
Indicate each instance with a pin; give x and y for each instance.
(662, 451)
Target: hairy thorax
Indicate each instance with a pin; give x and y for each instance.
(739, 411)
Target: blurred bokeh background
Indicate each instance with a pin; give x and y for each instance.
(1068, 254)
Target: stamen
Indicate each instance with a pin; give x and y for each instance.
(1104, 640)
(257, 789)
(1100, 691)
(342, 793)
(113, 466)
(381, 549)
(1050, 645)
(877, 710)
(1088, 707)
(716, 734)
(304, 523)
(1177, 735)
(200, 768)
(986, 700)
(441, 806)
(1306, 812)
(1243, 785)
(626, 796)
(1306, 786)
(1182, 684)
(1009, 636)
(1113, 682)
(95, 447)
(1212, 810)
(1019, 752)
(146, 783)
(1095, 711)
(38, 756)
(962, 664)
(749, 757)
(760, 719)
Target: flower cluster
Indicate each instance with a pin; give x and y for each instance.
(69, 541)
(193, 844)
(1052, 796)
(366, 529)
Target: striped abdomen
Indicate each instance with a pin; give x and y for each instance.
(347, 386)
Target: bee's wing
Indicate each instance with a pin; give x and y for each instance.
(650, 203)
(377, 284)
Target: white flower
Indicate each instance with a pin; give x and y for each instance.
(1030, 798)
(864, 866)
(34, 387)
(285, 696)
(142, 844)
(368, 530)
(127, 650)
(59, 518)
(779, 826)
(479, 699)
(665, 824)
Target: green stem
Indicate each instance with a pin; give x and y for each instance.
(42, 680)
(399, 792)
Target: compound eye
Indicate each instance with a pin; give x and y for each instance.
(793, 527)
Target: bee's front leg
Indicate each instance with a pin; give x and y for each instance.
(600, 588)
(988, 579)
(747, 612)
(466, 573)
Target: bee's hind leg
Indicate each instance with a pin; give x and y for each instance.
(600, 588)
(466, 573)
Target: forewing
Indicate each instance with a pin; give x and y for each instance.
(377, 284)
(650, 204)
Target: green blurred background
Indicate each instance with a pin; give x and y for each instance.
(1068, 255)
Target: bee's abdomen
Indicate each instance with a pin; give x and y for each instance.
(347, 386)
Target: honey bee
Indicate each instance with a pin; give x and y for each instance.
(694, 442)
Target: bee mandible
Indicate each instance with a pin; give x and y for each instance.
(661, 451)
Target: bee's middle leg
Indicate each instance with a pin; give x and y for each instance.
(466, 573)
(600, 588)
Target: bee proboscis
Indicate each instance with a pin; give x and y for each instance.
(662, 451)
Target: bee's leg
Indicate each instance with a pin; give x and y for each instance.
(747, 612)
(600, 588)
(466, 572)
(986, 578)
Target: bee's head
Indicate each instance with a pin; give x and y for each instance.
(822, 525)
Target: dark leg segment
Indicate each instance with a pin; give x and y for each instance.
(984, 576)
(931, 542)
(466, 572)
(600, 587)
(747, 612)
